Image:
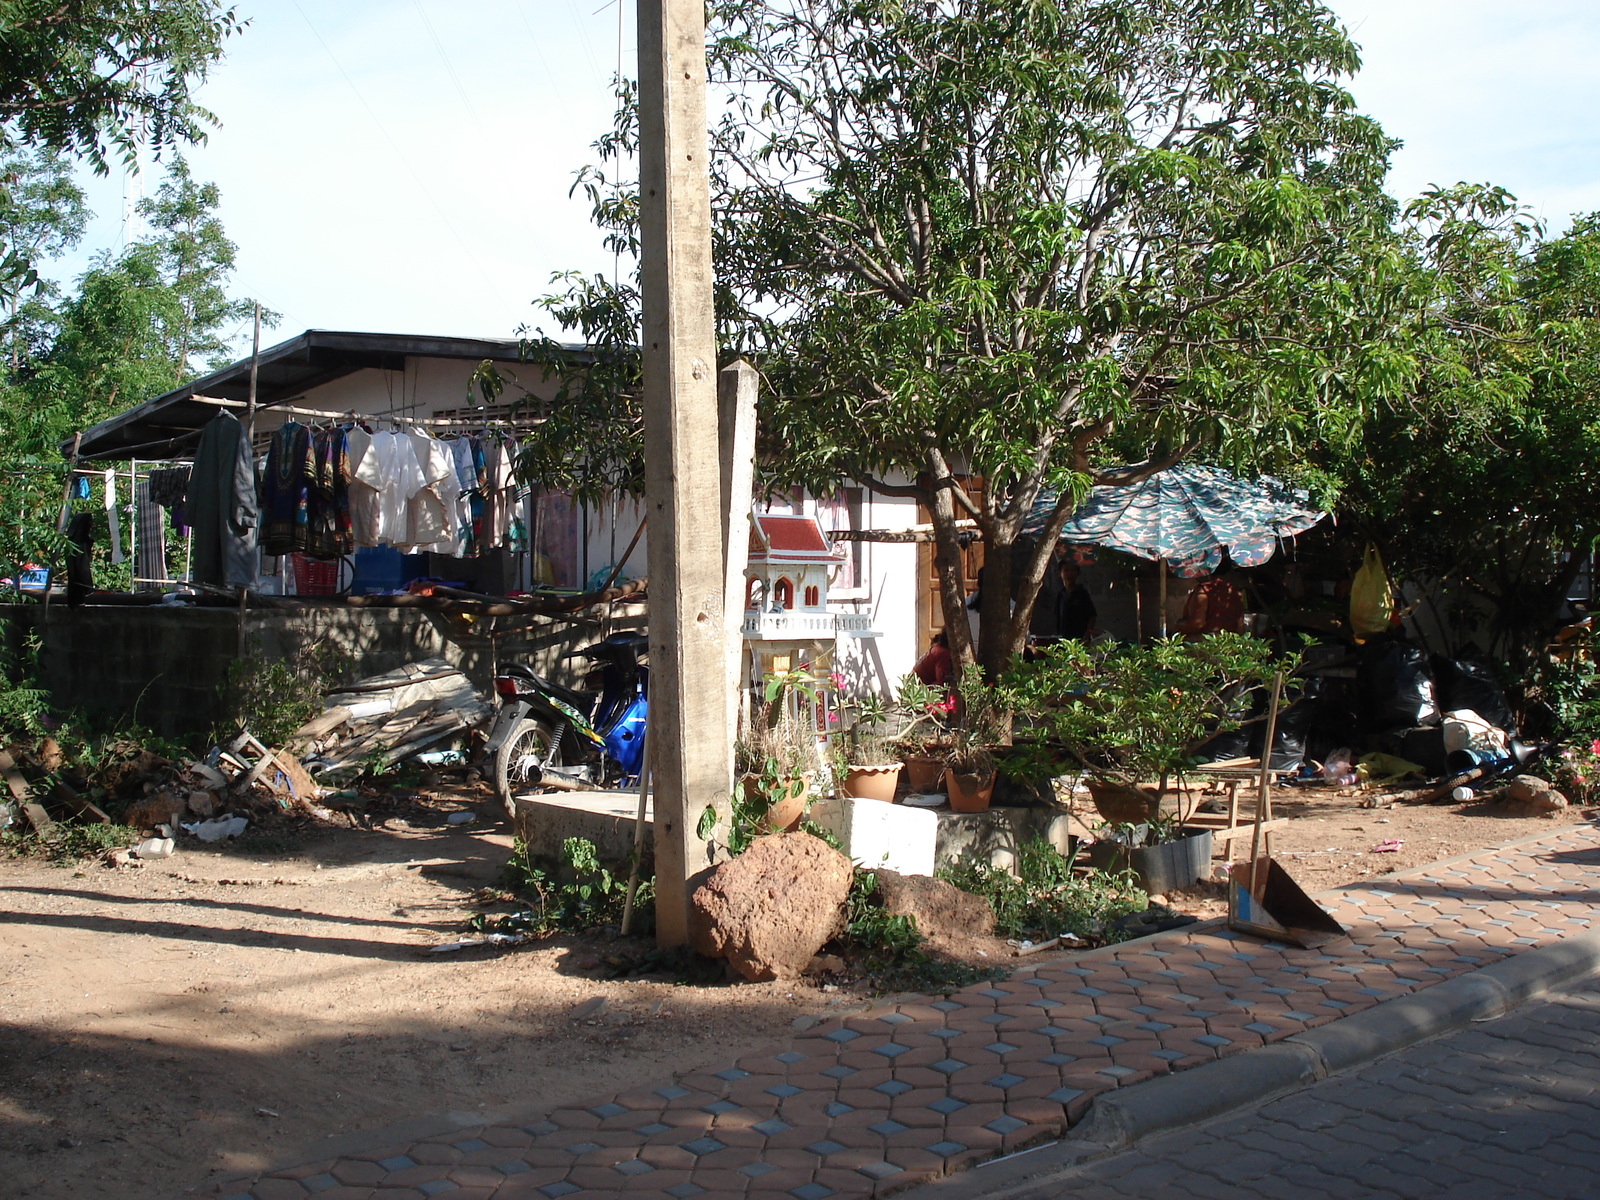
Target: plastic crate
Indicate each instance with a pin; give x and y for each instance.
(315, 577)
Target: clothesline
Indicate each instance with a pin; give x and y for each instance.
(352, 415)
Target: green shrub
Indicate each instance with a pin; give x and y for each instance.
(1046, 898)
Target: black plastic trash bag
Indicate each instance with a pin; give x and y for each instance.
(1462, 683)
(1396, 690)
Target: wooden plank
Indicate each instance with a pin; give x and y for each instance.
(1221, 833)
(69, 798)
(38, 818)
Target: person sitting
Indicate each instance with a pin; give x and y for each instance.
(936, 668)
(1215, 606)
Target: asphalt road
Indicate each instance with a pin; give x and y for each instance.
(1506, 1108)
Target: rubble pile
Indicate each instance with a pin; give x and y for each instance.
(242, 783)
(385, 719)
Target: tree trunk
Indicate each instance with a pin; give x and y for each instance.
(947, 561)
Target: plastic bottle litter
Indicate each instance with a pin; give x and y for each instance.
(1462, 794)
(441, 758)
(218, 828)
(462, 818)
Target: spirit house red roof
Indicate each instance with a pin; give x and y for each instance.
(776, 538)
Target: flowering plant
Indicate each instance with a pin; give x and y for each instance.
(1576, 771)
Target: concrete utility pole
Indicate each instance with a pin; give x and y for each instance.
(736, 390)
(689, 698)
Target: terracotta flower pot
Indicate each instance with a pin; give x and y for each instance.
(871, 783)
(1122, 805)
(924, 772)
(969, 793)
(786, 814)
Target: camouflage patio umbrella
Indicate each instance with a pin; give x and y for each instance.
(1185, 517)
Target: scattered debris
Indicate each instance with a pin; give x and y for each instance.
(215, 831)
(487, 939)
(387, 718)
(461, 818)
(1388, 846)
(156, 847)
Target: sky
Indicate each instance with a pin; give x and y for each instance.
(405, 165)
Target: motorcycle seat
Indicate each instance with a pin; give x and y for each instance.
(582, 701)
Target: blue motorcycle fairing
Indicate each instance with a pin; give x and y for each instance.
(624, 741)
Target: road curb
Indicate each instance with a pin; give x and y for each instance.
(1118, 1119)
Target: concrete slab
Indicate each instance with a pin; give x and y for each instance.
(546, 819)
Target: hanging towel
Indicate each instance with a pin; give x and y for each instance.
(117, 555)
(150, 550)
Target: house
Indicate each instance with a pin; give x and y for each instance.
(427, 382)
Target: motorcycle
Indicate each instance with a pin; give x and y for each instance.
(546, 735)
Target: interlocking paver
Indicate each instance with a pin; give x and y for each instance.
(911, 1088)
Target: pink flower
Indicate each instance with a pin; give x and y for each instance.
(1594, 747)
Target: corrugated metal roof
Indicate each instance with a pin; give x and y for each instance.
(169, 422)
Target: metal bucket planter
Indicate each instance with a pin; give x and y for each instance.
(1169, 866)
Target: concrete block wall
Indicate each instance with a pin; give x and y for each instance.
(165, 668)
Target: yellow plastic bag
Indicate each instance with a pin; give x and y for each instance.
(1371, 597)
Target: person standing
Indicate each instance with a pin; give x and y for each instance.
(1075, 610)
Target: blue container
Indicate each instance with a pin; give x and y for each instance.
(377, 569)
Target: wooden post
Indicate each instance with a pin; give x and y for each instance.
(683, 487)
(1264, 790)
(736, 396)
(255, 365)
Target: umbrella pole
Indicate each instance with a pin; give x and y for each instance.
(1161, 572)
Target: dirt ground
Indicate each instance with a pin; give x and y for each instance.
(221, 1010)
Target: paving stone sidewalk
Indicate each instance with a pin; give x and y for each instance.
(908, 1091)
(1496, 1111)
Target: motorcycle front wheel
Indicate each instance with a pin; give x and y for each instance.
(521, 760)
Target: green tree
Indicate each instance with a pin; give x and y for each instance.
(194, 257)
(1483, 493)
(85, 76)
(1047, 243)
(42, 214)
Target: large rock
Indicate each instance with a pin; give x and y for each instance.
(771, 909)
(940, 910)
(1535, 793)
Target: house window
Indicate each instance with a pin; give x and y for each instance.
(845, 509)
(813, 597)
(752, 592)
(783, 593)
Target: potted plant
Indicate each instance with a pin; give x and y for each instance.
(776, 758)
(870, 768)
(1131, 720)
(1163, 853)
(923, 739)
(977, 727)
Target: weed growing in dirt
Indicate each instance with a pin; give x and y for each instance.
(888, 947)
(69, 843)
(274, 697)
(578, 894)
(1045, 898)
